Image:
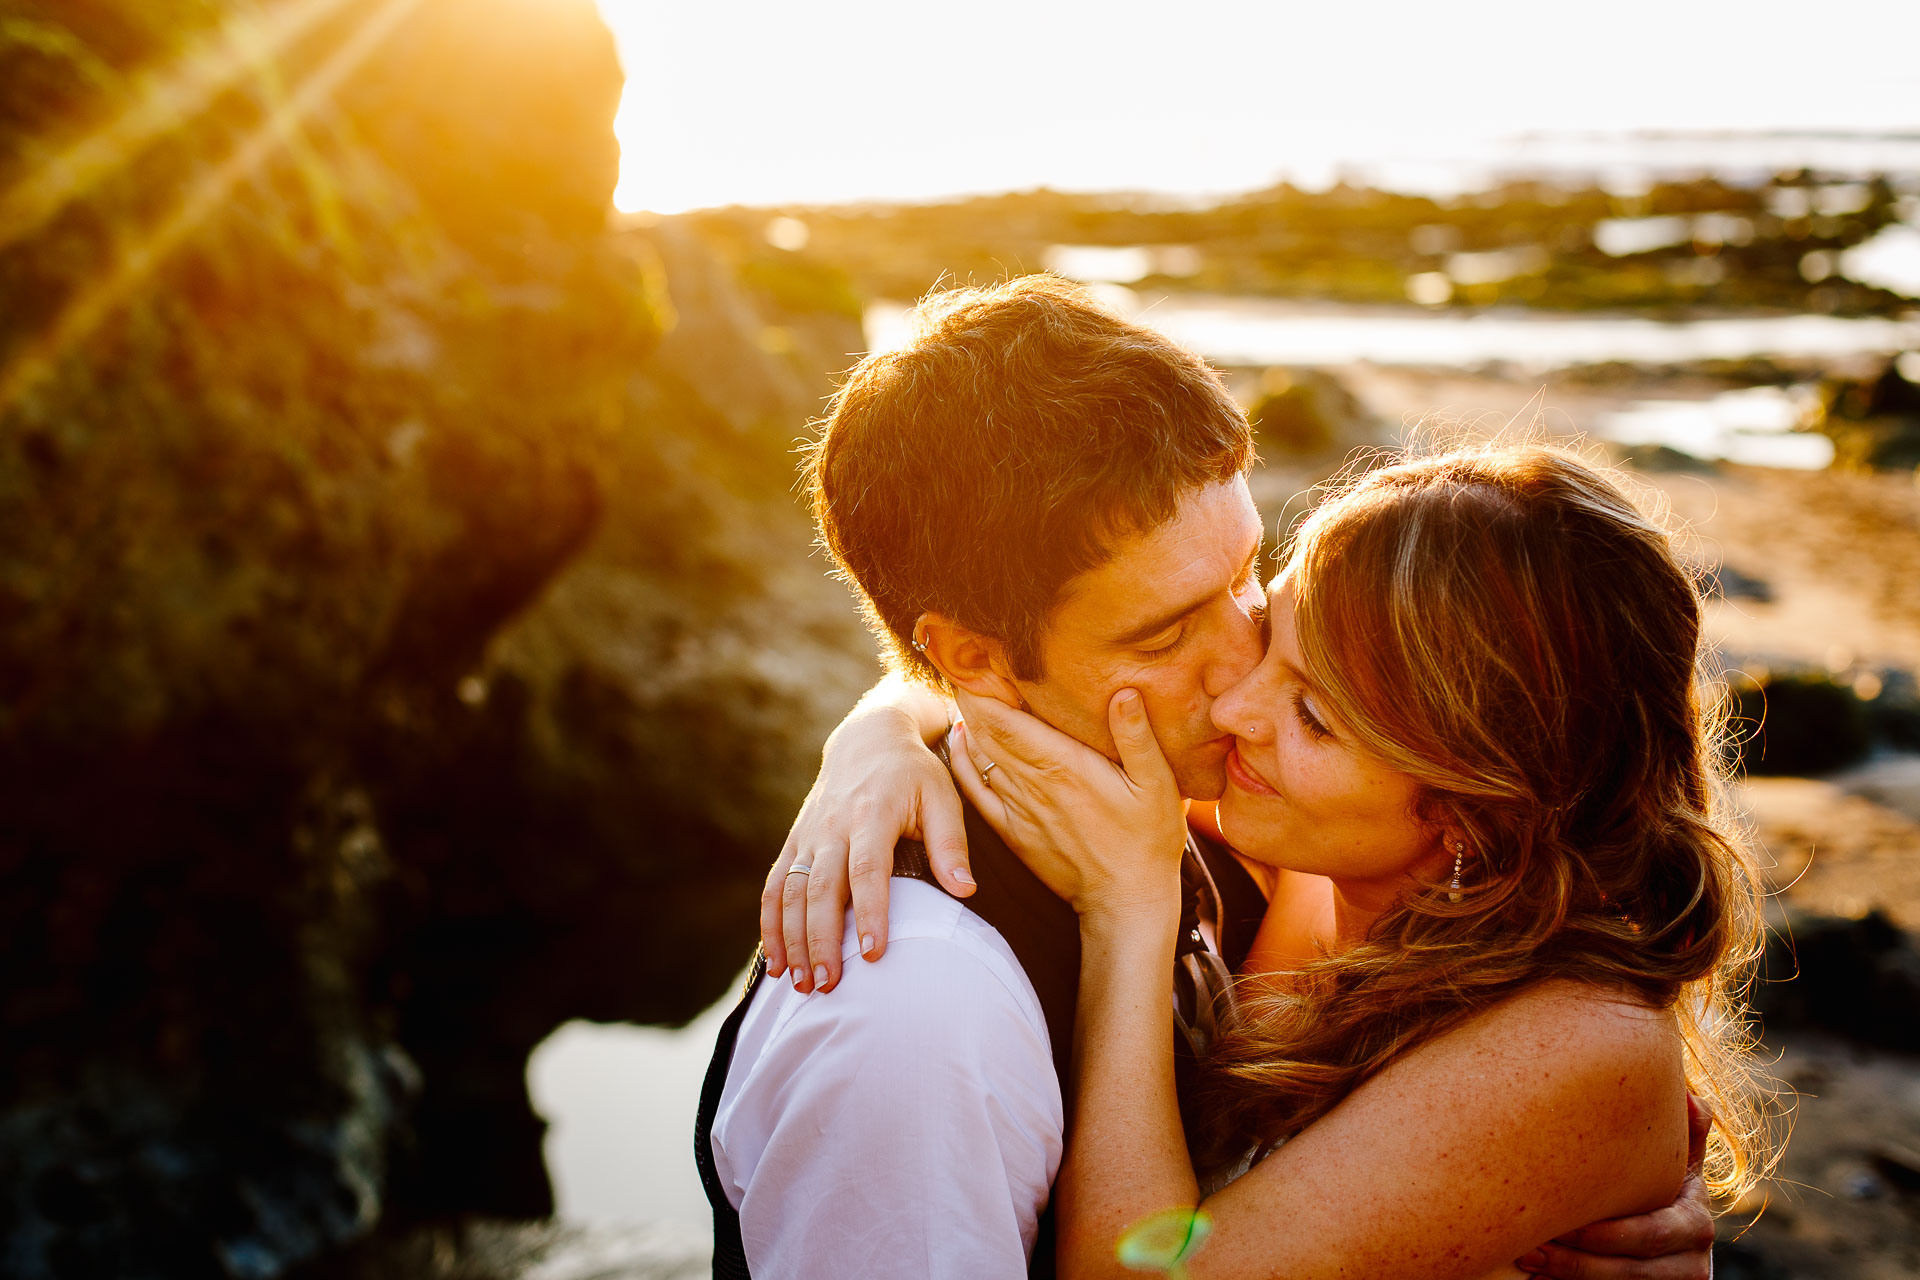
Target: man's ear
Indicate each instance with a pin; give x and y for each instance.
(974, 662)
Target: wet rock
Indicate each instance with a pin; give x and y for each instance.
(1893, 709)
(1728, 583)
(585, 820)
(1898, 1167)
(1858, 978)
(1799, 723)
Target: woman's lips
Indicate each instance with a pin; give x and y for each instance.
(1245, 778)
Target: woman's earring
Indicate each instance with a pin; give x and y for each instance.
(1453, 885)
(919, 646)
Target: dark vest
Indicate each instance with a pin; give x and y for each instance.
(1044, 935)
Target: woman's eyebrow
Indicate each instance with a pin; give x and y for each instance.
(1302, 677)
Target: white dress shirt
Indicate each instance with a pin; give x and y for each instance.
(907, 1123)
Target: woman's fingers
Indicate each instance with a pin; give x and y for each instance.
(1133, 739)
(773, 937)
(967, 763)
(1014, 734)
(943, 829)
(869, 873)
(1699, 1125)
(1573, 1264)
(826, 918)
(1009, 811)
(793, 913)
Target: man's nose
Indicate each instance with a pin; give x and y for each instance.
(1245, 644)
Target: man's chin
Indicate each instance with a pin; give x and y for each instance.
(1202, 774)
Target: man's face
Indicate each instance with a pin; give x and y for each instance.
(1175, 614)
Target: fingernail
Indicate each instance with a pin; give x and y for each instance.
(1532, 1261)
(799, 980)
(819, 975)
(1129, 701)
(962, 875)
(866, 944)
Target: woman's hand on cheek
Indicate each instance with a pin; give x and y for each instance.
(1105, 837)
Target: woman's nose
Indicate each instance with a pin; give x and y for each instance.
(1236, 710)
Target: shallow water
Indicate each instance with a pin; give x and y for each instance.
(619, 1103)
(1754, 427)
(1259, 331)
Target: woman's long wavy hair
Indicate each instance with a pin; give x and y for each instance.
(1503, 624)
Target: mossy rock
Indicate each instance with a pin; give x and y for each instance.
(1307, 414)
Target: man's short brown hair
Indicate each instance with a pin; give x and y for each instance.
(1001, 453)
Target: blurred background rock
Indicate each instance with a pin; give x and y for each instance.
(410, 639)
(411, 652)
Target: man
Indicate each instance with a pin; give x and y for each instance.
(1038, 502)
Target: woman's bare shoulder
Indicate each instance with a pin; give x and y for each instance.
(1588, 1019)
(1562, 1105)
(1598, 1066)
(1578, 1029)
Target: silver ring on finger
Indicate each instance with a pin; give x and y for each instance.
(987, 770)
(798, 870)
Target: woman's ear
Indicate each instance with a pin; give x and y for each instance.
(970, 660)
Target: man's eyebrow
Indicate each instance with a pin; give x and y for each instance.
(1162, 621)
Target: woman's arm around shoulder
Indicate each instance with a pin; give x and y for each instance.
(1562, 1105)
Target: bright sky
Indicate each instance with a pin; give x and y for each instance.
(760, 103)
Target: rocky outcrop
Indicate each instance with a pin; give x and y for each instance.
(411, 638)
(1308, 415)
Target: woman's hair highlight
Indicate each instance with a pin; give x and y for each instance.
(1504, 625)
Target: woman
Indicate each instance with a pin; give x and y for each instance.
(1508, 924)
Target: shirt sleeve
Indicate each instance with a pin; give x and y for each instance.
(910, 1124)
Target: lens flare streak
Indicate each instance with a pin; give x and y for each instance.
(1166, 1242)
(164, 100)
(137, 261)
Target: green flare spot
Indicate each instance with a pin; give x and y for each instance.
(1165, 1242)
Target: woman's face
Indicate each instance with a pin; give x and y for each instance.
(1301, 794)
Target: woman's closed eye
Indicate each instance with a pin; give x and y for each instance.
(1309, 719)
